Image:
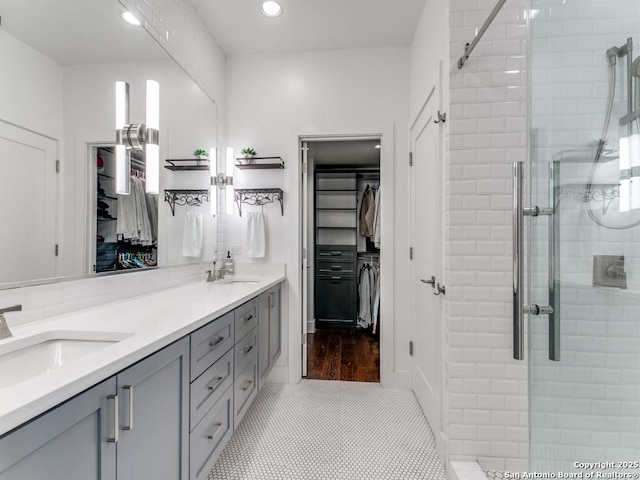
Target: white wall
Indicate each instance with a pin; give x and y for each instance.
(272, 99)
(25, 99)
(487, 391)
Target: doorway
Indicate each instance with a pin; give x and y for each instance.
(342, 241)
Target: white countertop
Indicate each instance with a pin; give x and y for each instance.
(154, 321)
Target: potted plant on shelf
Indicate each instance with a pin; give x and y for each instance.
(200, 155)
(248, 153)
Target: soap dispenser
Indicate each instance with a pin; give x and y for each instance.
(228, 264)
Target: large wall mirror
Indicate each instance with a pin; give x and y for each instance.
(58, 205)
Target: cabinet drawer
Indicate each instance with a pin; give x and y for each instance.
(210, 342)
(207, 389)
(211, 435)
(331, 267)
(246, 351)
(343, 252)
(246, 318)
(245, 389)
(336, 298)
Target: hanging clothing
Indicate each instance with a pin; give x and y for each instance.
(364, 297)
(376, 307)
(256, 239)
(133, 215)
(367, 212)
(376, 221)
(193, 234)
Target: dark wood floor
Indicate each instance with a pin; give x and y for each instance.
(350, 355)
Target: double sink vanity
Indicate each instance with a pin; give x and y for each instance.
(150, 387)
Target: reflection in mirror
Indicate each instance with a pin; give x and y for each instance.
(58, 211)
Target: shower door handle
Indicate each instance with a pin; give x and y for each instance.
(518, 263)
(519, 309)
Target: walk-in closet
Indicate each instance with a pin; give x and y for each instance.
(344, 212)
(126, 226)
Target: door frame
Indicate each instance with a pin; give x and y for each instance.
(385, 131)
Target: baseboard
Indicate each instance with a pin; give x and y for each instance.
(465, 471)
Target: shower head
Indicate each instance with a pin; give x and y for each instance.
(612, 55)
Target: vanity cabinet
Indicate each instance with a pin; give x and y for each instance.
(270, 331)
(70, 442)
(169, 415)
(154, 419)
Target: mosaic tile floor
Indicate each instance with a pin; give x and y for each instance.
(332, 431)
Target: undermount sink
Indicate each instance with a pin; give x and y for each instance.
(25, 358)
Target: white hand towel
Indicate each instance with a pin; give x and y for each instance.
(193, 234)
(256, 242)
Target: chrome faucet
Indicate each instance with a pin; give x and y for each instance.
(215, 275)
(5, 332)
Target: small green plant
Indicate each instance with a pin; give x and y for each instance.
(248, 151)
(200, 153)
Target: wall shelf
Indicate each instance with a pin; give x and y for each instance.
(183, 164)
(191, 198)
(259, 197)
(259, 163)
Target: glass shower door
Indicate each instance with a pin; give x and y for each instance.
(584, 245)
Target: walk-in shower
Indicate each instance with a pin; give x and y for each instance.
(583, 243)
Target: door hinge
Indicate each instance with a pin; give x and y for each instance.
(410, 253)
(411, 348)
(304, 168)
(57, 166)
(411, 159)
(304, 338)
(57, 249)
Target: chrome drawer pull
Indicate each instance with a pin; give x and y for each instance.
(336, 254)
(129, 388)
(248, 348)
(249, 382)
(336, 267)
(217, 425)
(216, 341)
(217, 381)
(116, 419)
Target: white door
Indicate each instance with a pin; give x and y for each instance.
(427, 264)
(29, 200)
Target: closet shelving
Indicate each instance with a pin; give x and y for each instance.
(180, 197)
(185, 164)
(259, 163)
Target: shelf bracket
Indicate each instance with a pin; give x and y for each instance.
(191, 198)
(259, 197)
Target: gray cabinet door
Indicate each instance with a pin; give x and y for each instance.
(69, 442)
(275, 323)
(154, 416)
(264, 357)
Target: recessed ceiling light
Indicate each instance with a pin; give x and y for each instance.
(271, 9)
(130, 19)
(377, 146)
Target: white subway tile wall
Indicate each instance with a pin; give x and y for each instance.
(586, 406)
(487, 390)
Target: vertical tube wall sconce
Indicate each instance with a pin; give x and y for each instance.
(623, 153)
(123, 160)
(138, 136)
(213, 173)
(229, 191)
(634, 167)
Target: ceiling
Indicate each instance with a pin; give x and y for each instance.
(74, 32)
(349, 153)
(311, 25)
